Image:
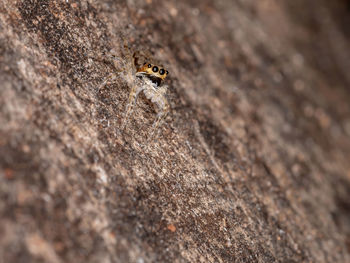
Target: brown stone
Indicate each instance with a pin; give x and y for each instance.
(251, 164)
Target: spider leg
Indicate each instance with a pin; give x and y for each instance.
(126, 67)
(110, 78)
(130, 57)
(113, 76)
(135, 91)
(164, 110)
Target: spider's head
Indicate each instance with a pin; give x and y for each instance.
(152, 71)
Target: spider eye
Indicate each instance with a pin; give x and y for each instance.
(144, 63)
(161, 71)
(155, 69)
(149, 65)
(167, 72)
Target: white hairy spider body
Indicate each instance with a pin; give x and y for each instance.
(155, 93)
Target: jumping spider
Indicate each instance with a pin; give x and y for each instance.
(147, 79)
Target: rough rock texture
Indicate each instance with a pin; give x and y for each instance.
(251, 164)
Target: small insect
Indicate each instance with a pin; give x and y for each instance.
(147, 79)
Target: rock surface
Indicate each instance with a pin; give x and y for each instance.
(251, 164)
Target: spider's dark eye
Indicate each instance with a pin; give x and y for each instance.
(149, 65)
(167, 72)
(155, 68)
(161, 71)
(144, 63)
